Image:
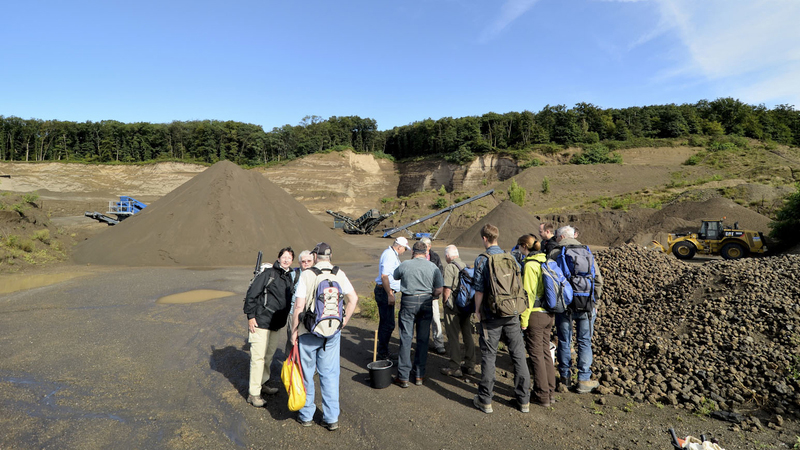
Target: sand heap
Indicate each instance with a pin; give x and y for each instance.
(510, 219)
(223, 216)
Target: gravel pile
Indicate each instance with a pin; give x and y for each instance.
(721, 335)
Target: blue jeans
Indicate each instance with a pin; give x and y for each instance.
(414, 310)
(326, 363)
(386, 321)
(583, 340)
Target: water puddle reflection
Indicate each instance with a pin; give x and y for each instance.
(196, 296)
(21, 282)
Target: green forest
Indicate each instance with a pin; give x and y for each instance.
(456, 139)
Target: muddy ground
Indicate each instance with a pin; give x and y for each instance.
(93, 361)
(96, 362)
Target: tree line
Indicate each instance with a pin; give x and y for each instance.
(457, 139)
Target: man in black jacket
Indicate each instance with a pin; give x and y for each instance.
(437, 333)
(267, 305)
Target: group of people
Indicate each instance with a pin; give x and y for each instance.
(419, 282)
(279, 296)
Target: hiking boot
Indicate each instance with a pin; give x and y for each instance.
(564, 384)
(331, 426)
(269, 390)
(441, 351)
(402, 383)
(451, 372)
(586, 387)
(419, 381)
(524, 407)
(485, 408)
(256, 401)
(305, 423)
(469, 370)
(544, 404)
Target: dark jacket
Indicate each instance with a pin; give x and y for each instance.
(549, 245)
(436, 261)
(271, 312)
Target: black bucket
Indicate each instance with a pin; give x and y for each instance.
(380, 374)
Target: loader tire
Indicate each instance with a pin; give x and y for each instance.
(684, 250)
(733, 250)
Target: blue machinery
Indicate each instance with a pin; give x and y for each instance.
(448, 210)
(124, 208)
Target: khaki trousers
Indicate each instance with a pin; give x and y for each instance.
(260, 346)
(459, 327)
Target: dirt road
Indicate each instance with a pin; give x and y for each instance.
(95, 362)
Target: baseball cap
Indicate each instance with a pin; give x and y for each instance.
(322, 249)
(402, 241)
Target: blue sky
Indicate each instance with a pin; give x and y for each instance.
(272, 63)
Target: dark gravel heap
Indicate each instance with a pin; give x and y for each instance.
(721, 335)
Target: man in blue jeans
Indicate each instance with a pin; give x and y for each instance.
(385, 289)
(584, 327)
(318, 354)
(421, 284)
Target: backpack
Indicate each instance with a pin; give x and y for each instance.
(324, 315)
(577, 264)
(505, 296)
(557, 289)
(465, 293)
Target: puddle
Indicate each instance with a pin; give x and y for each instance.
(196, 296)
(21, 282)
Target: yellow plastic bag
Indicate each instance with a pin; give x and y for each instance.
(292, 376)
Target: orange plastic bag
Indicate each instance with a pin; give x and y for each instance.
(292, 376)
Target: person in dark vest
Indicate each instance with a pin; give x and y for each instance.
(436, 324)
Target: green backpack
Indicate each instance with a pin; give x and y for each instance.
(505, 296)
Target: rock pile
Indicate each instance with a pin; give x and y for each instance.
(722, 335)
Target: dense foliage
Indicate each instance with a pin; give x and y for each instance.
(787, 223)
(457, 140)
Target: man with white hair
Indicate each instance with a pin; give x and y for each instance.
(436, 324)
(565, 236)
(456, 321)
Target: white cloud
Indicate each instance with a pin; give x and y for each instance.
(509, 12)
(751, 46)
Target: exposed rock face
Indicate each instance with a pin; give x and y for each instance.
(426, 175)
(341, 181)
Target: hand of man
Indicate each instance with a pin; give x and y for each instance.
(294, 337)
(390, 297)
(252, 325)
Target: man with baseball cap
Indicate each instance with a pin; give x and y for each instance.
(386, 287)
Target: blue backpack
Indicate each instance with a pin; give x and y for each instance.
(465, 293)
(577, 264)
(557, 289)
(325, 316)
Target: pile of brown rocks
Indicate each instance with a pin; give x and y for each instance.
(718, 335)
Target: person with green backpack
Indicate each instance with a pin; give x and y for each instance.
(499, 301)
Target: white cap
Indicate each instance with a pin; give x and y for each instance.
(402, 241)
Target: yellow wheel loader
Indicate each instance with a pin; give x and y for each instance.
(714, 238)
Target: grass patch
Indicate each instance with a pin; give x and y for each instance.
(369, 308)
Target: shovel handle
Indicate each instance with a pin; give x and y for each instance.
(375, 347)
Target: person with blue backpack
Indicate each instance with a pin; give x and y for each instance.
(537, 326)
(579, 267)
(459, 303)
(324, 302)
